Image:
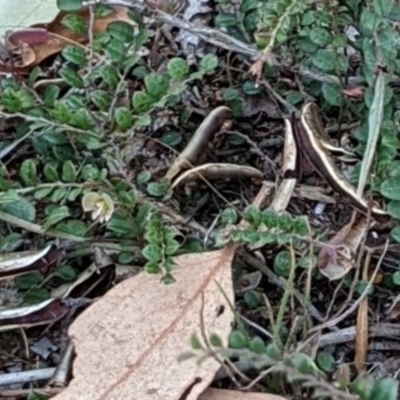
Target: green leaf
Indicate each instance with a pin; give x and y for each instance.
(171, 247)
(209, 62)
(75, 23)
(10, 100)
(368, 22)
(22, 209)
(152, 267)
(36, 295)
(225, 20)
(282, 263)
(272, 351)
(324, 60)
(152, 252)
(257, 345)
(74, 193)
(42, 193)
(69, 173)
(69, 5)
(11, 242)
(110, 75)
(58, 194)
(396, 278)
(115, 50)
(237, 340)
(230, 94)
(123, 118)
(65, 272)
(304, 364)
(57, 215)
(82, 119)
(141, 37)
(28, 280)
(74, 54)
(320, 36)
(50, 95)
(383, 7)
(156, 85)
(50, 173)
(141, 102)
(215, 340)
(90, 172)
(120, 224)
(248, 5)
(375, 119)
(393, 209)
(143, 177)
(157, 189)
(101, 99)
(177, 68)
(390, 188)
(395, 233)
(71, 77)
(253, 215)
(10, 196)
(229, 216)
(61, 112)
(384, 389)
(251, 88)
(120, 30)
(171, 138)
(332, 93)
(28, 172)
(73, 227)
(325, 361)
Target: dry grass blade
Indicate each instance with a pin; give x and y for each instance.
(128, 342)
(375, 120)
(361, 344)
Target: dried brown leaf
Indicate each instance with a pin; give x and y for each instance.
(30, 46)
(129, 341)
(337, 257)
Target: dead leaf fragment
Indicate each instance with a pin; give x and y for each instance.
(337, 257)
(30, 46)
(129, 341)
(222, 394)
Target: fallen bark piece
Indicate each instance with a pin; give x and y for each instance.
(222, 394)
(129, 341)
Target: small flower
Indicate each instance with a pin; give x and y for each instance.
(101, 206)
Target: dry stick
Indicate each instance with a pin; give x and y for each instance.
(354, 306)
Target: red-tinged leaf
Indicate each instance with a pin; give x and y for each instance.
(30, 36)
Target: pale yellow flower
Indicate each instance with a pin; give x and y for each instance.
(101, 206)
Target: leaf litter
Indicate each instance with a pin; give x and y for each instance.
(129, 341)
